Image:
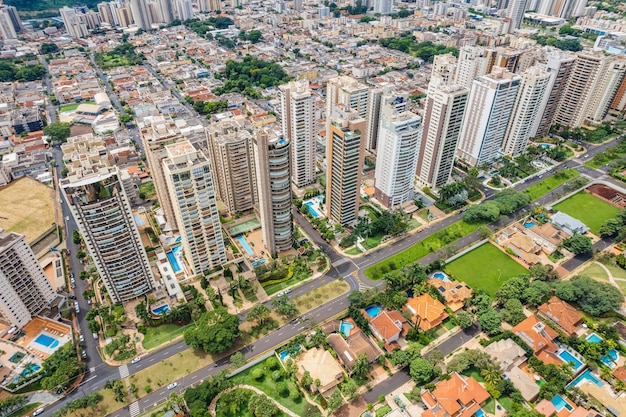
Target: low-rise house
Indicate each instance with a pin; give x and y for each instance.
(321, 365)
(566, 317)
(454, 292)
(349, 349)
(548, 235)
(540, 338)
(386, 329)
(568, 223)
(510, 356)
(458, 396)
(426, 312)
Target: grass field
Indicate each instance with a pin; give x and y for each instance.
(588, 209)
(544, 187)
(27, 207)
(223, 409)
(471, 268)
(156, 336)
(437, 241)
(595, 271)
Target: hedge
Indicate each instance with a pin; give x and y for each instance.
(278, 281)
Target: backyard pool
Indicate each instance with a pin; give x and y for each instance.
(560, 403)
(171, 256)
(346, 328)
(528, 225)
(47, 341)
(244, 243)
(161, 310)
(587, 375)
(610, 358)
(568, 357)
(440, 275)
(594, 338)
(285, 354)
(479, 413)
(373, 311)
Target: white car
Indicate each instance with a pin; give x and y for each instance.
(137, 359)
(38, 411)
(67, 218)
(81, 338)
(172, 385)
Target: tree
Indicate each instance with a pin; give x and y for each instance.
(361, 367)
(58, 132)
(486, 212)
(436, 357)
(421, 371)
(306, 380)
(285, 307)
(261, 406)
(349, 388)
(578, 244)
(491, 322)
(335, 400)
(215, 331)
(543, 272)
(491, 374)
(610, 227)
(76, 237)
(259, 314)
(536, 293)
(593, 297)
(513, 311)
(465, 319)
(49, 48)
(237, 360)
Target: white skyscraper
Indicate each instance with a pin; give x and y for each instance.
(188, 175)
(141, 14)
(165, 11)
(445, 106)
(74, 26)
(383, 6)
(24, 289)
(184, 10)
(399, 133)
(297, 108)
(473, 62)
(489, 108)
(7, 27)
(515, 12)
(98, 202)
(524, 115)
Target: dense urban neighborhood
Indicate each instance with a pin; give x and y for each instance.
(368, 208)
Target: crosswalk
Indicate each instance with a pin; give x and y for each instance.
(133, 409)
(362, 286)
(123, 371)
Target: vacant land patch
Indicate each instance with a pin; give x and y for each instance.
(588, 209)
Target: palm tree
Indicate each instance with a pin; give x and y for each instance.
(491, 375)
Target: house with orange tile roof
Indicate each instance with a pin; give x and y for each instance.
(620, 373)
(540, 338)
(548, 409)
(566, 317)
(454, 292)
(386, 329)
(458, 396)
(426, 312)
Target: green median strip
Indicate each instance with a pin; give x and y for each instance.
(544, 187)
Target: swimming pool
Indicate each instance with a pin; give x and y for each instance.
(560, 403)
(345, 328)
(285, 353)
(258, 262)
(309, 206)
(30, 369)
(161, 310)
(610, 358)
(47, 341)
(138, 220)
(479, 413)
(171, 255)
(441, 275)
(528, 225)
(373, 311)
(594, 338)
(244, 243)
(587, 375)
(568, 357)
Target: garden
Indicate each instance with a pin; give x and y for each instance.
(501, 268)
(588, 209)
(543, 187)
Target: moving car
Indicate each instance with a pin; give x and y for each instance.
(137, 359)
(172, 385)
(38, 411)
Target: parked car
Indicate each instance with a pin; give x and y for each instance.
(137, 359)
(81, 338)
(172, 385)
(84, 354)
(38, 411)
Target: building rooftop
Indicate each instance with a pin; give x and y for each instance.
(562, 314)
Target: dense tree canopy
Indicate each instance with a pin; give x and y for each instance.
(215, 332)
(421, 371)
(61, 368)
(241, 76)
(12, 70)
(578, 244)
(593, 297)
(425, 50)
(199, 397)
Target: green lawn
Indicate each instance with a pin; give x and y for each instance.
(595, 271)
(225, 409)
(506, 402)
(436, 241)
(474, 373)
(485, 267)
(353, 251)
(490, 406)
(24, 410)
(588, 209)
(269, 387)
(544, 187)
(73, 106)
(156, 336)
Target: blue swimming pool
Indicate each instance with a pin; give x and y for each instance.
(373, 311)
(171, 256)
(164, 309)
(310, 205)
(244, 243)
(528, 225)
(31, 368)
(285, 354)
(439, 275)
(587, 375)
(594, 338)
(610, 358)
(568, 357)
(138, 220)
(479, 413)
(345, 328)
(258, 262)
(560, 403)
(47, 341)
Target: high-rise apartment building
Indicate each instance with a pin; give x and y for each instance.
(297, 109)
(559, 65)
(98, 202)
(74, 25)
(515, 12)
(344, 156)
(188, 175)
(234, 172)
(346, 93)
(24, 289)
(209, 5)
(10, 23)
(400, 132)
(474, 61)
(184, 10)
(373, 117)
(445, 107)
(108, 13)
(579, 100)
(443, 72)
(489, 108)
(383, 6)
(141, 14)
(272, 155)
(165, 11)
(524, 115)
(608, 85)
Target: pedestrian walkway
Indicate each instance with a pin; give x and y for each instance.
(133, 409)
(123, 371)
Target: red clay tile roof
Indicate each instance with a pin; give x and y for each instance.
(536, 334)
(564, 315)
(459, 396)
(385, 326)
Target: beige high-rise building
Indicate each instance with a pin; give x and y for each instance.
(443, 72)
(24, 289)
(489, 108)
(610, 81)
(125, 16)
(209, 5)
(234, 173)
(346, 93)
(143, 16)
(445, 107)
(524, 115)
(188, 175)
(297, 110)
(474, 61)
(272, 155)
